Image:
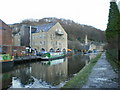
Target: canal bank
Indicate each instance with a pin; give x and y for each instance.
(103, 75)
(98, 74)
(81, 78)
(42, 57)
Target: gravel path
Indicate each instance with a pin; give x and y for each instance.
(102, 75)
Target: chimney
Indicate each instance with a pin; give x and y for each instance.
(86, 40)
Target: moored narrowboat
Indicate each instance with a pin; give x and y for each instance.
(52, 55)
(53, 62)
(5, 58)
(6, 62)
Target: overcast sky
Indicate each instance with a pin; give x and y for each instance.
(89, 12)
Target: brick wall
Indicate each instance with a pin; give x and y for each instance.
(18, 51)
(0, 37)
(5, 37)
(5, 34)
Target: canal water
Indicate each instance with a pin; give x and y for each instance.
(45, 74)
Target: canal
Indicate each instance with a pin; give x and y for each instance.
(44, 74)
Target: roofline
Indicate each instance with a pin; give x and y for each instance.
(46, 24)
(4, 23)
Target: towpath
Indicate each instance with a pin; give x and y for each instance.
(102, 75)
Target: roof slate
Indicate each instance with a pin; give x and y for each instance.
(44, 27)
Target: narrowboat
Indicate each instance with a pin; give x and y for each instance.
(53, 62)
(52, 55)
(6, 62)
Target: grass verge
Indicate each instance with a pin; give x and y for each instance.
(80, 79)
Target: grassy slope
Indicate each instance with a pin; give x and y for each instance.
(79, 80)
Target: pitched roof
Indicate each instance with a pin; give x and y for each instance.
(44, 27)
(3, 25)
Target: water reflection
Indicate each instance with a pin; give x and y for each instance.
(6, 80)
(76, 63)
(22, 74)
(45, 74)
(53, 73)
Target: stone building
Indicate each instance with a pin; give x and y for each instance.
(92, 45)
(17, 48)
(21, 34)
(50, 37)
(17, 39)
(24, 34)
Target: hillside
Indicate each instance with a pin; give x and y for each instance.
(75, 31)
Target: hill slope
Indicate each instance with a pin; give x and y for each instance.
(75, 31)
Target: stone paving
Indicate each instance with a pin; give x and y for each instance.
(102, 75)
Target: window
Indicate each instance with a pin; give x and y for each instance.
(40, 42)
(56, 30)
(44, 36)
(59, 43)
(51, 50)
(18, 39)
(52, 42)
(44, 43)
(40, 36)
(56, 42)
(51, 36)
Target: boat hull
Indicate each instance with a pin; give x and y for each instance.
(52, 58)
(6, 66)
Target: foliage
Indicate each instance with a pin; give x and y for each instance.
(79, 80)
(114, 63)
(113, 27)
(74, 44)
(113, 31)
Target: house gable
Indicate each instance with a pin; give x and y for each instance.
(57, 27)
